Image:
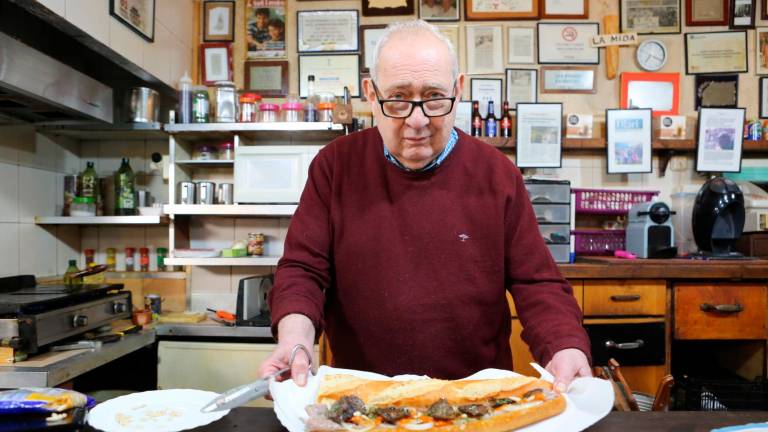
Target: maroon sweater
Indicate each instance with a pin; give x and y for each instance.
(406, 272)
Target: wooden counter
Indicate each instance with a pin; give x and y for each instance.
(614, 268)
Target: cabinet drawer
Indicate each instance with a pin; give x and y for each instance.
(720, 311)
(552, 213)
(619, 297)
(629, 344)
(549, 193)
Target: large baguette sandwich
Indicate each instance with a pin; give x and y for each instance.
(346, 402)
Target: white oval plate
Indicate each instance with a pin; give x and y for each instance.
(157, 411)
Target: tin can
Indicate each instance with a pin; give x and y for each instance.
(255, 244)
(755, 130)
(200, 105)
(154, 303)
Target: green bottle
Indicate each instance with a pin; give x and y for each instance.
(89, 183)
(125, 203)
(72, 269)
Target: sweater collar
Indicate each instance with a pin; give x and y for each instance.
(452, 140)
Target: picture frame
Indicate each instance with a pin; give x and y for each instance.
(484, 90)
(388, 7)
(672, 127)
(706, 12)
(327, 31)
(568, 79)
(539, 135)
(763, 97)
(337, 70)
(742, 14)
(719, 139)
(564, 9)
(464, 116)
(478, 10)
(761, 46)
(716, 52)
(369, 37)
(268, 78)
(521, 45)
(439, 10)
(215, 62)
(628, 134)
(716, 91)
(636, 16)
(579, 126)
(521, 86)
(265, 29)
(137, 15)
(218, 21)
(451, 31)
(764, 9)
(567, 43)
(658, 91)
(484, 49)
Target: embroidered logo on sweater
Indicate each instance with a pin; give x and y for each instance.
(463, 237)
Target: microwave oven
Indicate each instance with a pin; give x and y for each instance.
(272, 174)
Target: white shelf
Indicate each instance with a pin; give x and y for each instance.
(206, 163)
(231, 210)
(243, 261)
(101, 220)
(253, 127)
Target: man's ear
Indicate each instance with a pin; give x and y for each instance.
(460, 87)
(370, 93)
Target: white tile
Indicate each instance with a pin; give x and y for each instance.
(177, 16)
(9, 253)
(211, 280)
(40, 152)
(37, 193)
(89, 152)
(157, 55)
(58, 6)
(156, 236)
(92, 16)
(181, 61)
(199, 302)
(37, 251)
(111, 154)
(212, 232)
(273, 244)
(68, 156)
(9, 192)
(68, 247)
(157, 187)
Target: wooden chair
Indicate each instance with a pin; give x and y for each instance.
(625, 400)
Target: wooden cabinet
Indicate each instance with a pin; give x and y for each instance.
(720, 311)
(578, 293)
(625, 297)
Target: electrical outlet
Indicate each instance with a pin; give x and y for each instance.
(678, 163)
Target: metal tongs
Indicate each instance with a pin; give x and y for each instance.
(243, 394)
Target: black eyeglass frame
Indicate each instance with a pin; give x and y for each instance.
(414, 104)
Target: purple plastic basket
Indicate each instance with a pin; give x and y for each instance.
(608, 201)
(598, 242)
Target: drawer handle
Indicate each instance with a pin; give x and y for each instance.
(625, 298)
(624, 346)
(722, 308)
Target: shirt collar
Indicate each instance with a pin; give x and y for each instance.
(452, 140)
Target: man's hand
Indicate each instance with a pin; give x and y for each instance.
(292, 330)
(566, 365)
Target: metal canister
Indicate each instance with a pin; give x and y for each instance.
(143, 198)
(154, 303)
(206, 192)
(225, 98)
(225, 193)
(186, 192)
(70, 192)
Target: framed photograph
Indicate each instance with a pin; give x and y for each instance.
(520, 45)
(565, 9)
(568, 79)
(719, 139)
(672, 127)
(452, 33)
(764, 9)
(219, 21)
(539, 133)
(716, 52)
(337, 71)
(717, 91)
(742, 14)
(644, 17)
(658, 91)
(475, 10)
(484, 50)
(522, 85)
(761, 45)
(464, 116)
(628, 137)
(268, 78)
(706, 12)
(137, 15)
(388, 7)
(567, 43)
(763, 97)
(215, 62)
(327, 31)
(265, 28)
(485, 90)
(439, 10)
(369, 37)
(579, 126)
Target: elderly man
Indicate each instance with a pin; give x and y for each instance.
(409, 234)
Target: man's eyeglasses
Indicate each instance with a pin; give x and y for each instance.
(400, 109)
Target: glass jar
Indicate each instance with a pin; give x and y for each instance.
(325, 111)
(255, 244)
(111, 259)
(227, 151)
(161, 254)
(268, 112)
(292, 112)
(89, 258)
(204, 152)
(129, 259)
(83, 206)
(201, 105)
(225, 96)
(249, 108)
(144, 259)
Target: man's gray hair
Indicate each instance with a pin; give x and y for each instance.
(413, 27)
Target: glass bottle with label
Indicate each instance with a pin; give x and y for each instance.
(125, 202)
(129, 259)
(491, 126)
(477, 119)
(72, 269)
(88, 182)
(506, 121)
(144, 259)
(111, 259)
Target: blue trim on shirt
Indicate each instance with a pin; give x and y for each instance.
(452, 140)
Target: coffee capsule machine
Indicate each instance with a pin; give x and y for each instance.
(252, 308)
(650, 233)
(718, 219)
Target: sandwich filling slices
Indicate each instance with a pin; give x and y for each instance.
(349, 403)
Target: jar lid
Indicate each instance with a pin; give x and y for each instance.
(224, 84)
(162, 250)
(326, 105)
(143, 251)
(293, 106)
(111, 250)
(130, 250)
(89, 251)
(269, 107)
(250, 97)
(84, 200)
(226, 145)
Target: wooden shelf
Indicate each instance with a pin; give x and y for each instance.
(206, 163)
(101, 220)
(243, 261)
(248, 210)
(684, 145)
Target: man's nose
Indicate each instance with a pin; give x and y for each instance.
(417, 119)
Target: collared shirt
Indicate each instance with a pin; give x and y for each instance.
(452, 140)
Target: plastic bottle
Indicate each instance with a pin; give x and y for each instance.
(125, 203)
(310, 110)
(89, 182)
(72, 269)
(185, 99)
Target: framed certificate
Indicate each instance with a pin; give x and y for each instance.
(388, 7)
(764, 9)
(763, 97)
(565, 9)
(628, 136)
(742, 14)
(520, 45)
(568, 79)
(706, 12)
(484, 50)
(452, 33)
(761, 45)
(216, 62)
(716, 52)
(337, 71)
(719, 139)
(439, 10)
(717, 91)
(369, 37)
(269, 78)
(464, 116)
(327, 31)
(644, 17)
(539, 132)
(521, 86)
(567, 43)
(658, 91)
(500, 9)
(486, 90)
